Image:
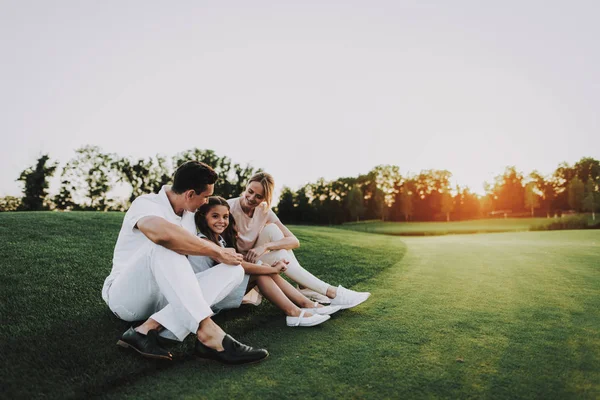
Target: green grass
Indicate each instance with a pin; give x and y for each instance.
(58, 337)
(454, 227)
(508, 315)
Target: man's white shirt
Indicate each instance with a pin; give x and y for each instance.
(131, 240)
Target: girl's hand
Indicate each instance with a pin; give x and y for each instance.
(280, 266)
(253, 255)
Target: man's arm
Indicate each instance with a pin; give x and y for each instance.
(173, 237)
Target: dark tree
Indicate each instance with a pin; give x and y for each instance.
(35, 182)
(576, 193)
(355, 203)
(588, 168)
(305, 213)
(545, 187)
(64, 199)
(232, 177)
(467, 205)
(285, 208)
(509, 191)
(592, 198)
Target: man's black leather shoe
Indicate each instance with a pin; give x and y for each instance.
(146, 345)
(234, 352)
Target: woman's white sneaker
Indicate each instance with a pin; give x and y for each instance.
(325, 310)
(301, 320)
(314, 296)
(346, 298)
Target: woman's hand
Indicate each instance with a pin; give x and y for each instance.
(280, 266)
(253, 255)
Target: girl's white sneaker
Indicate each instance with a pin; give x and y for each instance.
(301, 320)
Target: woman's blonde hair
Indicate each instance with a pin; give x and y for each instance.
(268, 184)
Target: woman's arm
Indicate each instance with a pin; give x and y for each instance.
(264, 269)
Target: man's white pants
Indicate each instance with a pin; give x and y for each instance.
(272, 233)
(160, 284)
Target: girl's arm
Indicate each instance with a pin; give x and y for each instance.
(289, 242)
(264, 269)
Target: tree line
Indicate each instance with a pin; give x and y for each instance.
(89, 180)
(383, 193)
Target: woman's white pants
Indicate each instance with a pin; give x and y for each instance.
(160, 284)
(272, 233)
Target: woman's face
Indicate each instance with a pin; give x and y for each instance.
(217, 219)
(253, 195)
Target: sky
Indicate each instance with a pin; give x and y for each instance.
(304, 89)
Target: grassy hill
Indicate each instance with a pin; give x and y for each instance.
(509, 315)
(58, 336)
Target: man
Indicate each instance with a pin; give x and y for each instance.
(152, 278)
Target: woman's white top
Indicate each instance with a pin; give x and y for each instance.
(249, 227)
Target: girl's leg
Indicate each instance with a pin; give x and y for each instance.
(293, 294)
(295, 271)
(275, 295)
(251, 283)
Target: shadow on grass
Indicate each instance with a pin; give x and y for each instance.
(80, 358)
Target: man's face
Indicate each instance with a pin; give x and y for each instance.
(195, 201)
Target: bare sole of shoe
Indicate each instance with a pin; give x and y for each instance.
(147, 355)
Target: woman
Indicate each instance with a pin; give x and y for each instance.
(262, 237)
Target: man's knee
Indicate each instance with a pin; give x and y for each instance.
(234, 273)
(238, 273)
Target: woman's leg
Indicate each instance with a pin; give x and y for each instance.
(292, 293)
(340, 296)
(295, 271)
(275, 295)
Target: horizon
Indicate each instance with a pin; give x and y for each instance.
(304, 91)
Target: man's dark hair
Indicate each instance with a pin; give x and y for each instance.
(193, 175)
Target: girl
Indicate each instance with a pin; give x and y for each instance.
(215, 223)
(262, 237)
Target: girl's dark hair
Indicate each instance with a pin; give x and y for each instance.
(229, 235)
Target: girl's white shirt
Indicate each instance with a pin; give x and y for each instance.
(202, 263)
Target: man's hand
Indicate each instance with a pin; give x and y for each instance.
(280, 266)
(253, 255)
(230, 257)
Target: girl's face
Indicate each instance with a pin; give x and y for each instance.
(217, 219)
(253, 195)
